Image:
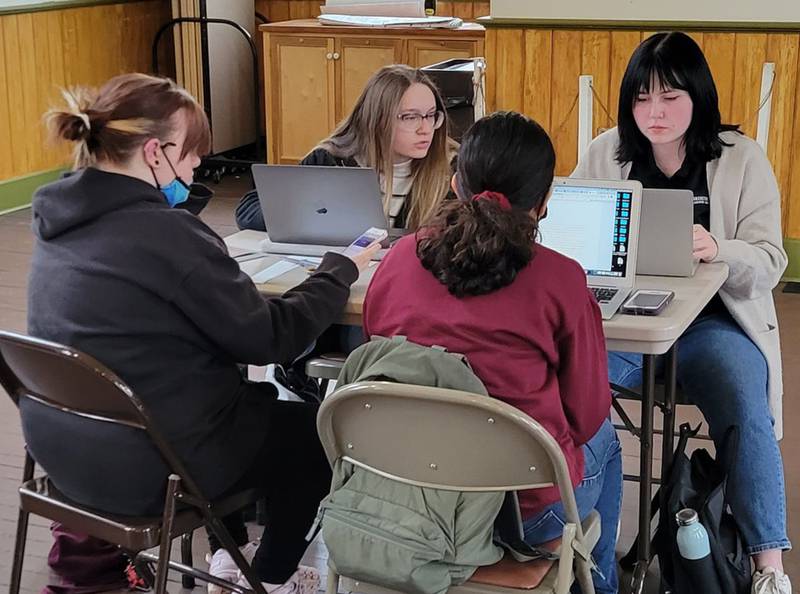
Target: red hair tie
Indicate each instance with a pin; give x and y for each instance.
(494, 197)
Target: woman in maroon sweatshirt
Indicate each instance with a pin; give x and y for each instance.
(474, 280)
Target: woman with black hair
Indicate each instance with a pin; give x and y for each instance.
(670, 135)
(474, 280)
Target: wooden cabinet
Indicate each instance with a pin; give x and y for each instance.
(358, 58)
(313, 74)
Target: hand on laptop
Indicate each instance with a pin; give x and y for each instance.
(363, 258)
(704, 245)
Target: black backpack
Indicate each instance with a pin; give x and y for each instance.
(700, 483)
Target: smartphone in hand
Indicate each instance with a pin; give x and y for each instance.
(370, 236)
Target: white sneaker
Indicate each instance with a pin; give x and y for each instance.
(303, 581)
(222, 565)
(771, 581)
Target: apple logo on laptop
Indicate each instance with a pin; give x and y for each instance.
(320, 208)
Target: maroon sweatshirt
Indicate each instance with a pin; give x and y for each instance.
(536, 344)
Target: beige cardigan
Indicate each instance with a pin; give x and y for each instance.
(746, 224)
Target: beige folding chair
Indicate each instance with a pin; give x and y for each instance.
(452, 440)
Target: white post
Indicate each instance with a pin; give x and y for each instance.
(585, 120)
(765, 97)
(479, 88)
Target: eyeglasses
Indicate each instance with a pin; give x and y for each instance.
(411, 122)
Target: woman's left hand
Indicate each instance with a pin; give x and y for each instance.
(704, 245)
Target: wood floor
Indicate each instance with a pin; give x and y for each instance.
(15, 249)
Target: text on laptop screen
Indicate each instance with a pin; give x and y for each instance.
(590, 225)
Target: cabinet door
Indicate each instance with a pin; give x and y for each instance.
(300, 82)
(357, 60)
(424, 52)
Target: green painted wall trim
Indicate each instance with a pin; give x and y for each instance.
(792, 247)
(42, 5)
(756, 27)
(17, 192)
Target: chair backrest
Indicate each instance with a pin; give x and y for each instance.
(66, 379)
(439, 438)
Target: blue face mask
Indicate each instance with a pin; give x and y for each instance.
(177, 191)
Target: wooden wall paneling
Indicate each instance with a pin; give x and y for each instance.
(31, 113)
(6, 148)
(508, 63)
(480, 8)
(490, 53)
(564, 116)
(44, 83)
(445, 8)
(463, 10)
(278, 10)
(50, 28)
(750, 55)
(782, 49)
(623, 44)
(16, 101)
(719, 52)
(791, 207)
(596, 61)
(538, 72)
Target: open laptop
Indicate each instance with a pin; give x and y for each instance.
(665, 233)
(596, 223)
(317, 206)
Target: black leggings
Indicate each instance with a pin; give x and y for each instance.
(291, 467)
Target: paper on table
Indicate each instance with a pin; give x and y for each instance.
(380, 21)
(273, 271)
(388, 8)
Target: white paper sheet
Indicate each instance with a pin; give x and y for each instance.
(273, 271)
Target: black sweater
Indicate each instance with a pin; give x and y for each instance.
(152, 293)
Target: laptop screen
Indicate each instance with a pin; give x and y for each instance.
(590, 225)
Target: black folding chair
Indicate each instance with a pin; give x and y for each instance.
(65, 379)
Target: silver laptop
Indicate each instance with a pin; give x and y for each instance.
(596, 223)
(665, 233)
(323, 206)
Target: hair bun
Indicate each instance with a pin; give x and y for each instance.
(76, 126)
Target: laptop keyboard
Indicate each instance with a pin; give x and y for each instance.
(603, 294)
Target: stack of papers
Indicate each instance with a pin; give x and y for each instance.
(386, 8)
(378, 21)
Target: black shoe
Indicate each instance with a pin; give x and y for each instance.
(296, 380)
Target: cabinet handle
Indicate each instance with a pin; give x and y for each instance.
(335, 55)
(329, 56)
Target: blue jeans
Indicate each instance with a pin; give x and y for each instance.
(600, 489)
(723, 373)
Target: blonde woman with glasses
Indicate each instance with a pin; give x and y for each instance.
(398, 127)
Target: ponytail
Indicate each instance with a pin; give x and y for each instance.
(477, 246)
(111, 123)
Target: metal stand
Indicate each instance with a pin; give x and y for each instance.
(218, 165)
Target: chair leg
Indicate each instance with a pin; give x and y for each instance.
(333, 582)
(19, 552)
(566, 561)
(323, 388)
(162, 568)
(187, 581)
(22, 532)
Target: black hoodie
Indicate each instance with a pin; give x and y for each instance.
(152, 293)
